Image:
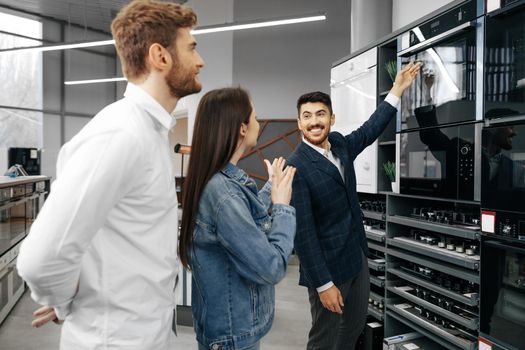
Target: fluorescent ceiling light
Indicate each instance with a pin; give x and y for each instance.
(65, 46)
(272, 23)
(94, 81)
(198, 31)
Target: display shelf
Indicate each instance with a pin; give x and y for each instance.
(376, 297)
(380, 248)
(429, 330)
(453, 337)
(451, 230)
(376, 312)
(387, 143)
(470, 323)
(375, 280)
(436, 265)
(376, 265)
(375, 235)
(471, 299)
(434, 199)
(469, 262)
(373, 215)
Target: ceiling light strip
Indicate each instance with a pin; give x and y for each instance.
(258, 24)
(94, 81)
(66, 46)
(198, 31)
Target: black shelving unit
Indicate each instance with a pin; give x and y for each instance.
(387, 141)
(373, 207)
(432, 285)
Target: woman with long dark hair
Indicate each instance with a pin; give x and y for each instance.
(235, 249)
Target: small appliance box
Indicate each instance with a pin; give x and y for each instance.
(373, 336)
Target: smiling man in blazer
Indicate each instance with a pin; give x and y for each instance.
(330, 239)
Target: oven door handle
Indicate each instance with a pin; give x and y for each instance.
(505, 120)
(507, 10)
(438, 38)
(499, 245)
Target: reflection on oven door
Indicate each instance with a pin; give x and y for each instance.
(511, 306)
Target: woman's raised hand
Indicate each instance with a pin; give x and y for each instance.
(281, 179)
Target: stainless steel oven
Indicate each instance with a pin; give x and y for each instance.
(446, 48)
(502, 303)
(441, 161)
(11, 285)
(505, 59)
(12, 224)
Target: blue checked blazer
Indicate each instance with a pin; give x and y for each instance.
(330, 234)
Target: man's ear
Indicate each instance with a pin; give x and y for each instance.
(332, 120)
(158, 57)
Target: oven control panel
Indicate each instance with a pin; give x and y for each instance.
(507, 224)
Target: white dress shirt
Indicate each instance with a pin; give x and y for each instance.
(391, 99)
(103, 250)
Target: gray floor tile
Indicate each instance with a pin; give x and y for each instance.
(289, 330)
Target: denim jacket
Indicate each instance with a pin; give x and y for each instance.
(239, 253)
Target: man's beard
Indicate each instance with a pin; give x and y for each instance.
(317, 142)
(181, 83)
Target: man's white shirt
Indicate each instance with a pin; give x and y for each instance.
(103, 250)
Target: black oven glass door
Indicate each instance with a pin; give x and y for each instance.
(447, 80)
(503, 167)
(502, 308)
(505, 64)
(438, 162)
(12, 226)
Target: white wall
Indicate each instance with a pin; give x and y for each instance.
(216, 49)
(407, 11)
(278, 64)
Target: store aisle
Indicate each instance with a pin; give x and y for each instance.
(289, 330)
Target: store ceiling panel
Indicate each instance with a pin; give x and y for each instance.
(94, 14)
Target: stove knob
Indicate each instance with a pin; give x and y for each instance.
(464, 150)
(506, 229)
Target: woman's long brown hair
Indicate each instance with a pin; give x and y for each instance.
(215, 136)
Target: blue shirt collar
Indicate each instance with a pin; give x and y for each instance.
(236, 173)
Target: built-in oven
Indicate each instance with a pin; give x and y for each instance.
(505, 59)
(11, 285)
(13, 221)
(503, 178)
(441, 161)
(446, 48)
(502, 297)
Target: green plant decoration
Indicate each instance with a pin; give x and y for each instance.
(390, 170)
(391, 68)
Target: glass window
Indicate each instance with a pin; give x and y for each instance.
(19, 128)
(21, 83)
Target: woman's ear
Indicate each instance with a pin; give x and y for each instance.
(244, 129)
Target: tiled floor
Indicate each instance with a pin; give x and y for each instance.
(289, 331)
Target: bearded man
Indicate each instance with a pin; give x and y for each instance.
(330, 240)
(102, 253)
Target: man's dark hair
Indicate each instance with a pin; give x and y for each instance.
(316, 96)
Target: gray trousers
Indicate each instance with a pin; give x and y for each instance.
(331, 331)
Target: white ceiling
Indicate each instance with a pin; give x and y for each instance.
(94, 14)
